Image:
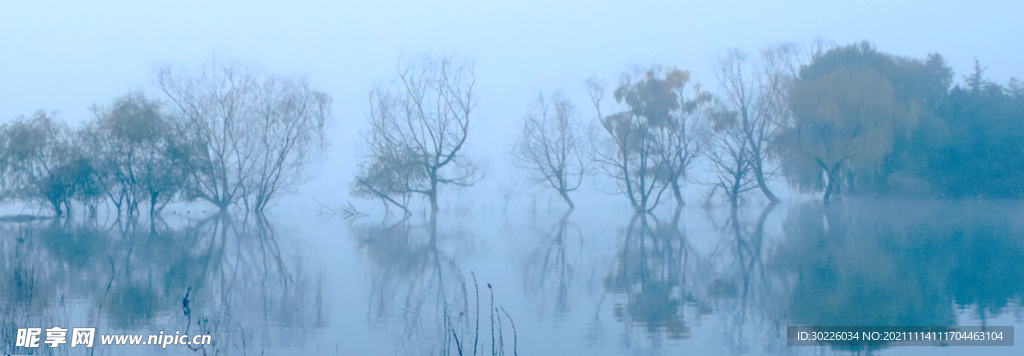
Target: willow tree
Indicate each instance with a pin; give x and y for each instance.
(42, 163)
(250, 133)
(419, 125)
(652, 140)
(137, 153)
(844, 125)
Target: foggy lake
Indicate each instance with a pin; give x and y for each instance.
(595, 281)
(508, 178)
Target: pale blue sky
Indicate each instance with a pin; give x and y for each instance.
(66, 55)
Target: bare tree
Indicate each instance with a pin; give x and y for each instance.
(756, 95)
(419, 124)
(250, 133)
(731, 156)
(289, 122)
(550, 145)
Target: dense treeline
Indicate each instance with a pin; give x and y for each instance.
(227, 134)
(844, 120)
(836, 120)
(984, 153)
(869, 122)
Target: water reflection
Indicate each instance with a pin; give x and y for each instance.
(222, 276)
(902, 263)
(649, 272)
(417, 283)
(858, 263)
(549, 270)
(742, 294)
(725, 282)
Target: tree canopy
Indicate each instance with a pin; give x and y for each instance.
(964, 141)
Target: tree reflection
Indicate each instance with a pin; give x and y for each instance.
(863, 262)
(220, 276)
(742, 294)
(549, 269)
(901, 263)
(416, 283)
(649, 272)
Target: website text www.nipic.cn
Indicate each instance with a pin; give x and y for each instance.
(85, 337)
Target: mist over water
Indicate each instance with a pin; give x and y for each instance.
(593, 281)
(537, 178)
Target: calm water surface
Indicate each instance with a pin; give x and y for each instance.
(529, 282)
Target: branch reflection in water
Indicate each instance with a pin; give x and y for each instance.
(903, 263)
(550, 270)
(417, 284)
(649, 274)
(861, 262)
(223, 276)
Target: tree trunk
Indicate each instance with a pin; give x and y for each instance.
(152, 204)
(734, 192)
(831, 186)
(565, 196)
(57, 208)
(433, 229)
(677, 193)
(433, 192)
(759, 174)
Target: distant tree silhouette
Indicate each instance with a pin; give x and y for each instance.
(419, 124)
(137, 152)
(652, 141)
(41, 162)
(249, 134)
(551, 143)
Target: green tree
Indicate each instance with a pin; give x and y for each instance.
(845, 124)
(920, 84)
(983, 154)
(43, 163)
(137, 152)
(653, 139)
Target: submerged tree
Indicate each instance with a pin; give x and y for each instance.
(550, 145)
(138, 153)
(683, 139)
(731, 155)
(920, 85)
(652, 142)
(419, 124)
(844, 126)
(755, 100)
(41, 162)
(250, 133)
